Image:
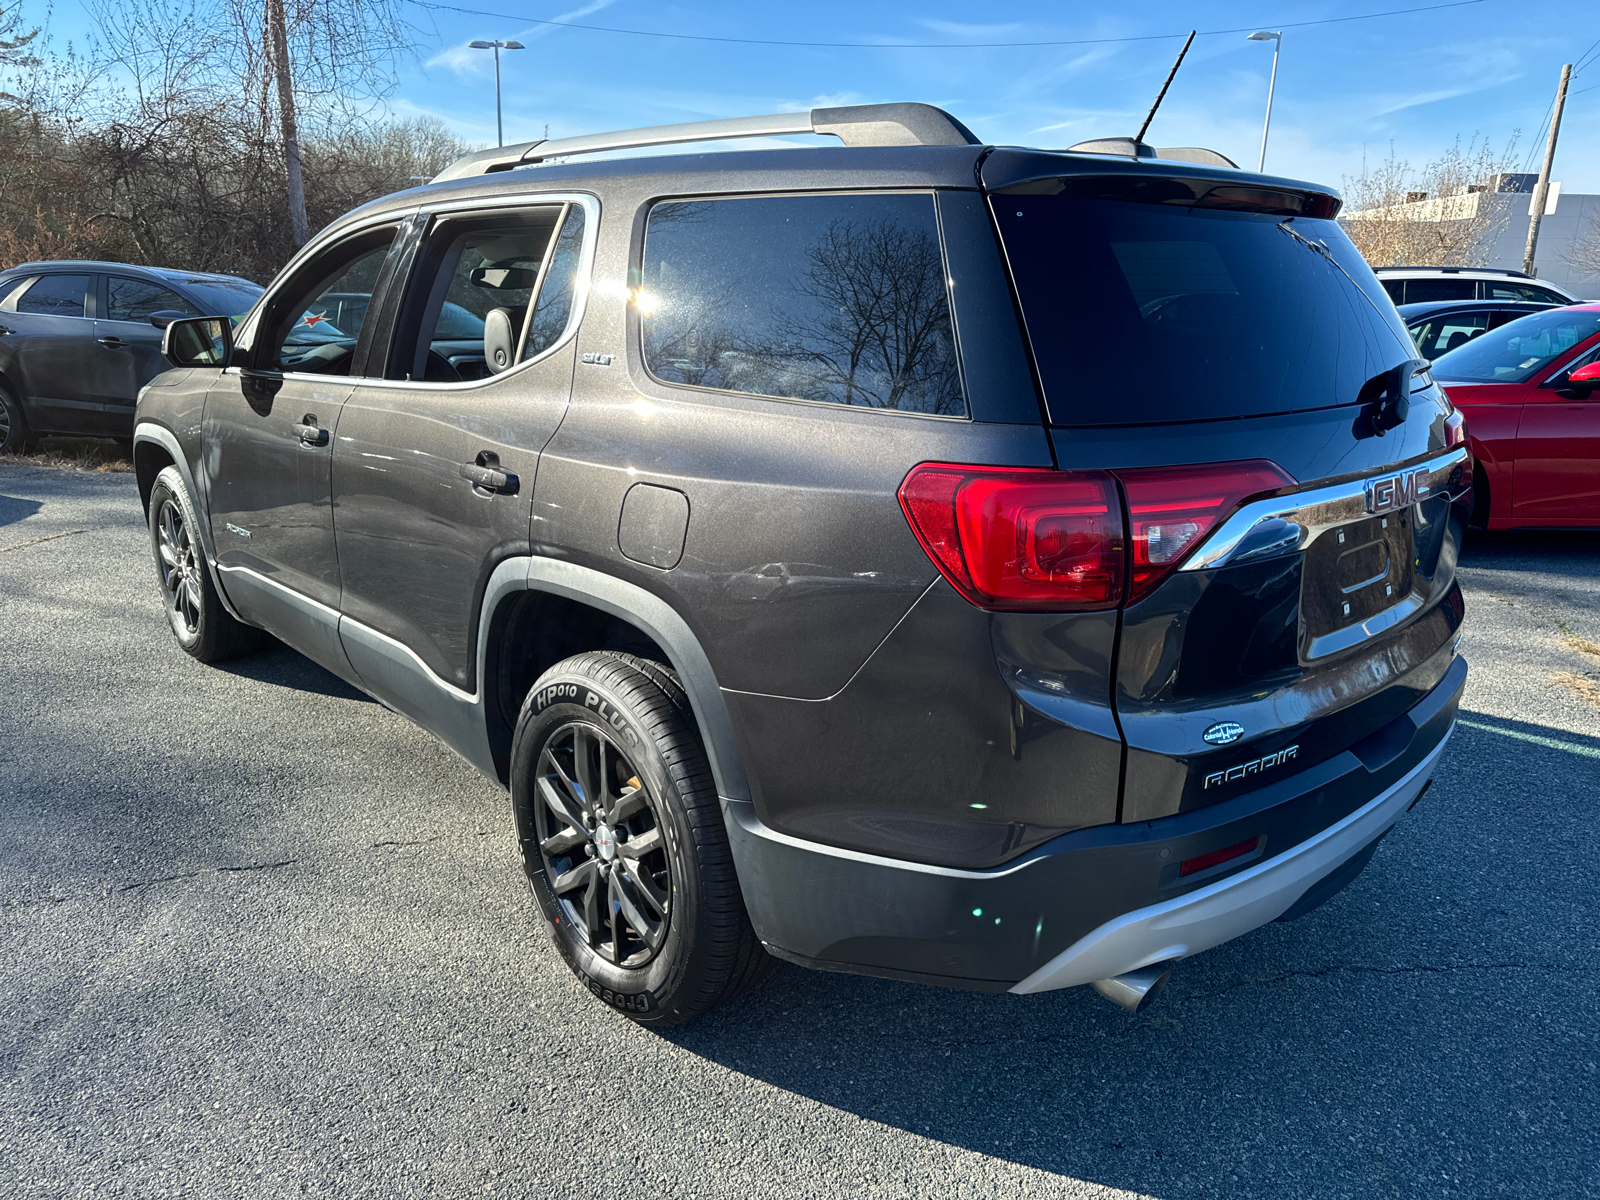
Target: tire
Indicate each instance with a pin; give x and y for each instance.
(203, 627)
(659, 933)
(15, 437)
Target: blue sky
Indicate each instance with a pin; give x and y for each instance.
(1345, 89)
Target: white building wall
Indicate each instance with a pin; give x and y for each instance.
(1557, 232)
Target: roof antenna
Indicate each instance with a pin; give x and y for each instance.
(1162, 95)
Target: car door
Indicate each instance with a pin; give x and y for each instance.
(127, 352)
(433, 468)
(1558, 448)
(268, 431)
(48, 326)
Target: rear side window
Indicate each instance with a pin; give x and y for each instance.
(135, 299)
(55, 296)
(1145, 313)
(836, 299)
(1496, 290)
(1432, 291)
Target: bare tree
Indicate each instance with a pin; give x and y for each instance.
(1442, 213)
(1584, 251)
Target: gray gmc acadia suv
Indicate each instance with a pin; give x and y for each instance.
(1001, 568)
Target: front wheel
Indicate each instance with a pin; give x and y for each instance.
(203, 627)
(622, 840)
(15, 437)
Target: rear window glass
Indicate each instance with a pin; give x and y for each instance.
(839, 299)
(1142, 313)
(55, 296)
(1519, 350)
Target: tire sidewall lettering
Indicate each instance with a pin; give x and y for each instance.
(608, 714)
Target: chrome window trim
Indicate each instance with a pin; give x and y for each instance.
(1288, 524)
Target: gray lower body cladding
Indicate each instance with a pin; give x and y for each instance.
(990, 930)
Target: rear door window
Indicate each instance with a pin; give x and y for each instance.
(838, 299)
(135, 299)
(56, 296)
(1150, 313)
(1495, 290)
(1437, 335)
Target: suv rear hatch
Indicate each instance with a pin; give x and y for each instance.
(1293, 483)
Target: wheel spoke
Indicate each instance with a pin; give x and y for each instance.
(645, 886)
(564, 842)
(630, 804)
(588, 750)
(637, 847)
(571, 880)
(613, 903)
(562, 806)
(649, 930)
(168, 554)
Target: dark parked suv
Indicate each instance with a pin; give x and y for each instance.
(79, 339)
(1000, 568)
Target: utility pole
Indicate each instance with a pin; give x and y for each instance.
(279, 37)
(1542, 190)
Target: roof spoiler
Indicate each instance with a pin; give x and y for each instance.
(1128, 147)
(856, 125)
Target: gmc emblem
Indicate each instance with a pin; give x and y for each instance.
(1396, 491)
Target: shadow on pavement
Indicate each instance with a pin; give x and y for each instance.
(277, 664)
(1551, 551)
(14, 509)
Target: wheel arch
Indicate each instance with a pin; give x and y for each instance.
(587, 606)
(155, 447)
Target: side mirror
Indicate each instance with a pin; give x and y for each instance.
(1581, 384)
(166, 316)
(199, 342)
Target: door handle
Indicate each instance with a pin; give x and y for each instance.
(111, 343)
(486, 474)
(4, 332)
(310, 433)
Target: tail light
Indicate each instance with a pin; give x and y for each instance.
(1033, 539)
(1171, 509)
(1020, 538)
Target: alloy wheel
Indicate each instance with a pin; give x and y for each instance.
(602, 846)
(178, 564)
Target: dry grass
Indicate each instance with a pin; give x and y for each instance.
(1582, 645)
(76, 454)
(1585, 687)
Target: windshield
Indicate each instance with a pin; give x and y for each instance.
(1519, 350)
(223, 297)
(1148, 313)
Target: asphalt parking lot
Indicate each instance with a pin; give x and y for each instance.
(261, 937)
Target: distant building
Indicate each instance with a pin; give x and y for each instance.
(1507, 200)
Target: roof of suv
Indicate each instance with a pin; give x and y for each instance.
(165, 274)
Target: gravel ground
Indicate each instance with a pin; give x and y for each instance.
(260, 937)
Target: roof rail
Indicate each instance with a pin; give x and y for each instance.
(1456, 270)
(856, 125)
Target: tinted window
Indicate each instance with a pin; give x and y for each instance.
(1431, 291)
(1436, 335)
(830, 298)
(1149, 313)
(55, 296)
(1522, 291)
(1517, 352)
(135, 299)
(554, 308)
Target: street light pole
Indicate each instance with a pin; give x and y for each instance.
(1276, 38)
(497, 46)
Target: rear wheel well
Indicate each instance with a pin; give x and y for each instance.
(149, 460)
(533, 631)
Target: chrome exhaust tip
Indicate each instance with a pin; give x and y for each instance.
(1135, 990)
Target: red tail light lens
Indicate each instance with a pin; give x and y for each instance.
(1171, 509)
(1020, 538)
(1191, 866)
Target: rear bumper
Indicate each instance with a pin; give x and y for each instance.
(1234, 906)
(1095, 902)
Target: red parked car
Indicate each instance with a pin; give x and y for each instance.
(1530, 392)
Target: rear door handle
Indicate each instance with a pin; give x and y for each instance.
(486, 474)
(310, 433)
(111, 343)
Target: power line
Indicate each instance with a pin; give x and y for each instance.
(889, 45)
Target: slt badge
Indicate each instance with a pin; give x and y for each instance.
(1223, 733)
